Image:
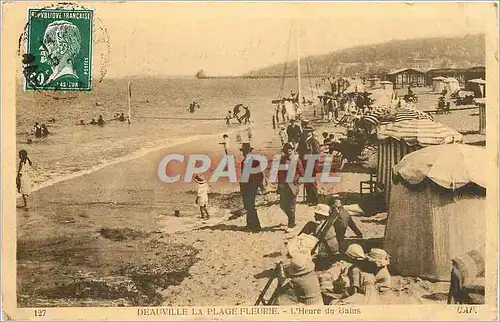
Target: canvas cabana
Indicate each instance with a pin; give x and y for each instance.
(381, 98)
(437, 209)
(438, 84)
(481, 103)
(478, 86)
(387, 85)
(401, 138)
(451, 85)
(374, 82)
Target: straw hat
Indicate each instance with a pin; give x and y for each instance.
(301, 264)
(308, 129)
(198, 178)
(245, 146)
(355, 251)
(322, 209)
(378, 256)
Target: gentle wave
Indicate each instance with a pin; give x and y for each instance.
(135, 155)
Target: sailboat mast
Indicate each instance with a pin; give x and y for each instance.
(129, 98)
(298, 62)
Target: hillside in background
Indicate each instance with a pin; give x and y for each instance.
(423, 54)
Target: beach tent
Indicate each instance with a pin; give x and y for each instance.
(438, 84)
(381, 98)
(478, 86)
(451, 85)
(400, 138)
(388, 86)
(437, 209)
(355, 86)
(481, 103)
(374, 82)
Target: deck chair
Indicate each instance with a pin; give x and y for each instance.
(320, 233)
(277, 273)
(467, 279)
(345, 120)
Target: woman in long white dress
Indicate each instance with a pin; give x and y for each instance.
(23, 176)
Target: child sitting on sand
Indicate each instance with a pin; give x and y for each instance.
(202, 195)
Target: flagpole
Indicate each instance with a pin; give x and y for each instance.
(129, 98)
(298, 61)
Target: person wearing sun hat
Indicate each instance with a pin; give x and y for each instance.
(304, 280)
(293, 132)
(250, 188)
(309, 145)
(381, 260)
(202, 195)
(334, 280)
(372, 278)
(343, 222)
(288, 190)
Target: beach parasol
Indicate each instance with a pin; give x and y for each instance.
(477, 81)
(405, 114)
(377, 115)
(451, 165)
(419, 131)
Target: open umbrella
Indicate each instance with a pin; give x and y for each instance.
(377, 115)
(450, 166)
(419, 131)
(405, 114)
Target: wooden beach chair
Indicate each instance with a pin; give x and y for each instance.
(320, 233)
(278, 273)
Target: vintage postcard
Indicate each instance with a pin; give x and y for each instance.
(249, 160)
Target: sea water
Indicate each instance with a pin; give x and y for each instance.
(72, 149)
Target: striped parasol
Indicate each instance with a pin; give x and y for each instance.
(406, 114)
(419, 131)
(377, 115)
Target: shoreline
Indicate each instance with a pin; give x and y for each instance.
(131, 156)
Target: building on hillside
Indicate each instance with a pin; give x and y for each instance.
(406, 76)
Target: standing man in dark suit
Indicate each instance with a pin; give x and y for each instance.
(310, 145)
(289, 189)
(250, 187)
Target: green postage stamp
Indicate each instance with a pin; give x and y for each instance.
(59, 50)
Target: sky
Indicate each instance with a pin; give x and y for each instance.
(235, 38)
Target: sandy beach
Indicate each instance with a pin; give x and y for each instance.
(109, 237)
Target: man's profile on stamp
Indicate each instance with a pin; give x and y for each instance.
(59, 49)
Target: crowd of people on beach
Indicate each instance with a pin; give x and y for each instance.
(336, 271)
